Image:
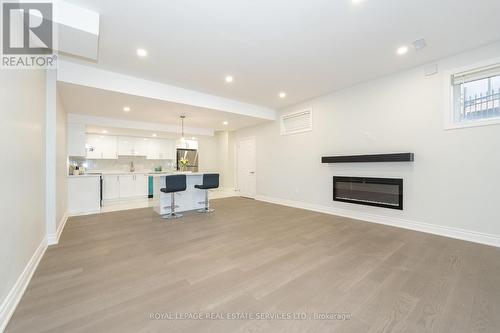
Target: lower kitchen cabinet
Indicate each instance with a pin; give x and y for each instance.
(125, 186)
(84, 194)
(111, 187)
(141, 185)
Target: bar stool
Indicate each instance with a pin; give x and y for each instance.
(210, 180)
(173, 184)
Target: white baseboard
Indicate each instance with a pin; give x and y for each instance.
(10, 303)
(223, 192)
(463, 234)
(53, 239)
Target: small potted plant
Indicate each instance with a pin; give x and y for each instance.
(183, 162)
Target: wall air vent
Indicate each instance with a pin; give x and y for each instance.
(296, 122)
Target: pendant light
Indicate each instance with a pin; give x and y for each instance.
(182, 127)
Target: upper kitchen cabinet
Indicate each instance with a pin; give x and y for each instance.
(76, 140)
(160, 149)
(102, 146)
(130, 146)
(187, 144)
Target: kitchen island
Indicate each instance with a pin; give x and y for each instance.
(186, 200)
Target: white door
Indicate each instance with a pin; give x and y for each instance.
(111, 187)
(246, 165)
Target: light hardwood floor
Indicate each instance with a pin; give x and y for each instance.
(111, 271)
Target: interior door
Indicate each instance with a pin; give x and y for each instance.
(247, 177)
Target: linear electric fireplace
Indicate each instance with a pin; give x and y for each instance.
(380, 192)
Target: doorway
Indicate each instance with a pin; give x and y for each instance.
(246, 165)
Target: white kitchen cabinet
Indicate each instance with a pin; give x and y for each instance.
(167, 150)
(186, 144)
(102, 146)
(160, 149)
(84, 194)
(127, 186)
(141, 185)
(130, 146)
(141, 146)
(111, 187)
(153, 150)
(109, 147)
(126, 145)
(76, 140)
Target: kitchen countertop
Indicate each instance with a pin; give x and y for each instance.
(84, 175)
(166, 173)
(118, 172)
(148, 173)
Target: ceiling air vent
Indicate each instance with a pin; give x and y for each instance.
(296, 122)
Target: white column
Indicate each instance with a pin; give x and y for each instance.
(50, 156)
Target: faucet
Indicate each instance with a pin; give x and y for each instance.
(132, 168)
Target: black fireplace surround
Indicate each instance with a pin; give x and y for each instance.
(379, 192)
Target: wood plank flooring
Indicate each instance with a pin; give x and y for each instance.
(111, 272)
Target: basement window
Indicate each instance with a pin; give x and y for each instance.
(296, 122)
(476, 97)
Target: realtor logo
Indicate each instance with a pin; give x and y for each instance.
(28, 35)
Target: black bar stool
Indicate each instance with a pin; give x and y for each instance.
(173, 184)
(210, 180)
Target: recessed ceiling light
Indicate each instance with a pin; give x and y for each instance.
(419, 44)
(154, 135)
(402, 50)
(229, 79)
(142, 52)
(225, 123)
(126, 108)
(282, 94)
(104, 131)
(357, 1)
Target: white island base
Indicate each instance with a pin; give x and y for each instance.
(186, 200)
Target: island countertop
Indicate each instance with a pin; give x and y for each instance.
(190, 199)
(169, 173)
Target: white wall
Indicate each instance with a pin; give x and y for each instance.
(454, 181)
(61, 163)
(207, 154)
(22, 191)
(225, 158)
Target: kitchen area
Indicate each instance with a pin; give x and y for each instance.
(111, 169)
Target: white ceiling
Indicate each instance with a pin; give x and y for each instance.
(104, 103)
(304, 47)
(135, 132)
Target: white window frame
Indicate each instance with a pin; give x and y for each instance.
(303, 110)
(449, 111)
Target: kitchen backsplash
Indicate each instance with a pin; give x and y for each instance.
(121, 164)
